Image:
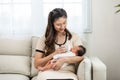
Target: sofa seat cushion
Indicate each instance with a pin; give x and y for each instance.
(34, 78)
(15, 64)
(13, 77)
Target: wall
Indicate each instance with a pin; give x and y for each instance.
(104, 41)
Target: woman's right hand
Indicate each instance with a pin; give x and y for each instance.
(61, 49)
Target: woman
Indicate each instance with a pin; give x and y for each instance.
(50, 44)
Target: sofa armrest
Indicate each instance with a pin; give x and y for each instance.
(84, 69)
(98, 69)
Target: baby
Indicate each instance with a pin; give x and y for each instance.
(75, 51)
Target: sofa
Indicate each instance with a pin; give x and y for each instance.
(17, 57)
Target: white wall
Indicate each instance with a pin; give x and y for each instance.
(104, 41)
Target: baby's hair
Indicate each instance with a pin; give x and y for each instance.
(81, 52)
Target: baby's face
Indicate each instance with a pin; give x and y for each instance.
(75, 49)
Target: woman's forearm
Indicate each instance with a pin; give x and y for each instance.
(40, 60)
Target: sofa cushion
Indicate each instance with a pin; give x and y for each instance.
(34, 42)
(84, 69)
(15, 64)
(16, 46)
(13, 77)
(34, 71)
(34, 78)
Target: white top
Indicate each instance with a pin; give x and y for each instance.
(75, 41)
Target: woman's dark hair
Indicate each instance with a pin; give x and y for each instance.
(50, 33)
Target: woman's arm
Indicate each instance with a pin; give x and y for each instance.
(39, 60)
(70, 60)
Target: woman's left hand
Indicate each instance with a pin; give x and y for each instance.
(58, 64)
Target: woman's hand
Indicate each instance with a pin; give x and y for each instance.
(58, 64)
(61, 49)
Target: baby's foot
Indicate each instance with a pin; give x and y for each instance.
(40, 68)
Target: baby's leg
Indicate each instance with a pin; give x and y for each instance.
(44, 67)
(47, 66)
(40, 68)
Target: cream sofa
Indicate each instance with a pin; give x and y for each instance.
(17, 55)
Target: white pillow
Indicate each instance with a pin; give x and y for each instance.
(84, 69)
(15, 64)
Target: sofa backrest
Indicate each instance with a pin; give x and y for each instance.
(15, 46)
(34, 71)
(15, 55)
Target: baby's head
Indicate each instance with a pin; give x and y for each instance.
(78, 50)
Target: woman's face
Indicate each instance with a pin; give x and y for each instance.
(60, 24)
